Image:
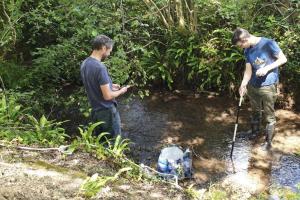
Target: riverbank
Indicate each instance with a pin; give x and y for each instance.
(42, 176)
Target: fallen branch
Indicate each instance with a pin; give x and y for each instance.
(62, 148)
(144, 46)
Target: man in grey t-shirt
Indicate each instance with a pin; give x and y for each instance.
(100, 90)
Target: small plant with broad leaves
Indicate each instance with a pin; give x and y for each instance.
(192, 193)
(91, 143)
(100, 145)
(94, 184)
(215, 192)
(17, 125)
(10, 110)
(44, 131)
(118, 147)
(10, 116)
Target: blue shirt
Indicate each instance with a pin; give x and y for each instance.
(94, 74)
(261, 55)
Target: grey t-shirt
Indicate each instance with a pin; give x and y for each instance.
(93, 74)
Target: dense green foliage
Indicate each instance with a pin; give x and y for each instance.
(185, 44)
(18, 125)
(164, 43)
(100, 145)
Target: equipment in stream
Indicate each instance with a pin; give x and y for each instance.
(236, 125)
(173, 161)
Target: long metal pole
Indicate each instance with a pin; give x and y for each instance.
(236, 125)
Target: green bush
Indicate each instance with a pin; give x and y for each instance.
(100, 145)
(92, 185)
(44, 132)
(91, 143)
(18, 125)
(57, 59)
(11, 113)
(12, 74)
(10, 27)
(54, 39)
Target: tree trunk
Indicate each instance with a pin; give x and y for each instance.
(180, 16)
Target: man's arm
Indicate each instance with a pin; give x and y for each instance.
(281, 59)
(246, 79)
(108, 94)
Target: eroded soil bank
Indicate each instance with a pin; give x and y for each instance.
(48, 176)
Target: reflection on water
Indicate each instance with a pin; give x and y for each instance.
(206, 125)
(241, 156)
(287, 172)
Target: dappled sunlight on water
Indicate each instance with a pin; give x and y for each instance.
(205, 124)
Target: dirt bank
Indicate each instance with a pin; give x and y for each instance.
(47, 176)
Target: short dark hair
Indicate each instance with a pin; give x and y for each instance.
(239, 34)
(101, 40)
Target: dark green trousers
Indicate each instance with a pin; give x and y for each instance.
(263, 97)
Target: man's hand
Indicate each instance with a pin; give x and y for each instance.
(243, 90)
(116, 87)
(124, 89)
(262, 71)
(128, 86)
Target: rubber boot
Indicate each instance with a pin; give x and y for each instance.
(270, 129)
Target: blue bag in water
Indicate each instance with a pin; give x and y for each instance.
(172, 161)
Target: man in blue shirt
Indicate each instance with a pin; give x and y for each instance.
(100, 90)
(263, 57)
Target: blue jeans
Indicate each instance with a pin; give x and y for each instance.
(111, 118)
